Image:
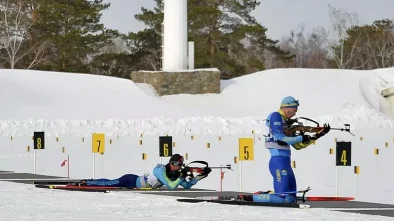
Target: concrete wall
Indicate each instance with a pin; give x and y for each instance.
(198, 81)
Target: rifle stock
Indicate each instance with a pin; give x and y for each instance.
(292, 131)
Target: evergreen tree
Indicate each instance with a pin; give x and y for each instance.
(146, 44)
(73, 30)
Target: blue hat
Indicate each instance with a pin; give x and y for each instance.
(290, 101)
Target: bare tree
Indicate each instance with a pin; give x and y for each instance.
(151, 60)
(370, 46)
(15, 24)
(341, 22)
(318, 48)
(380, 45)
(116, 46)
(298, 41)
(310, 48)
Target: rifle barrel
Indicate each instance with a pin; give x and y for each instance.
(225, 167)
(345, 129)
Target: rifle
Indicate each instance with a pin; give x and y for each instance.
(190, 170)
(291, 130)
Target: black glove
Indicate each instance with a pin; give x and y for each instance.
(184, 172)
(326, 129)
(206, 171)
(281, 143)
(306, 138)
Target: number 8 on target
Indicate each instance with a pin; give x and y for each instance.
(246, 149)
(39, 140)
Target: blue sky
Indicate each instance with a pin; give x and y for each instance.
(279, 16)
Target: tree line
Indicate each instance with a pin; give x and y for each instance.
(67, 36)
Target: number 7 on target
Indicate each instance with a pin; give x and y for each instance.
(98, 143)
(246, 149)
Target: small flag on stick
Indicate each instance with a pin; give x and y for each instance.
(68, 165)
(63, 163)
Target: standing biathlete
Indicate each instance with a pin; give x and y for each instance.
(278, 145)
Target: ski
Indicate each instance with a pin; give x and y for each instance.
(70, 188)
(244, 203)
(299, 198)
(55, 182)
(102, 188)
(329, 198)
(303, 198)
(235, 200)
(112, 189)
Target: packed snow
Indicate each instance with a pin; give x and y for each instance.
(25, 202)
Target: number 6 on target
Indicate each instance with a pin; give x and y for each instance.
(246, 149)
(165, 146)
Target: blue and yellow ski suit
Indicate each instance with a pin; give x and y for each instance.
(157, 179)
(280, 163)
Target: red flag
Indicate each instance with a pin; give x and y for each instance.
(222, 175)
(63, 163)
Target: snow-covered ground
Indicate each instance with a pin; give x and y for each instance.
(25, 202)
(77, 104)
(74, 105)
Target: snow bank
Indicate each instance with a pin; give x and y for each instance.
(79, 104)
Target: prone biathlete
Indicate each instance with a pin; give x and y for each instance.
(170, 175)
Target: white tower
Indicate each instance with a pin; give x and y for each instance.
(175, 35)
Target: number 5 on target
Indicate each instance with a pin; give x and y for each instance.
(98, 143)
(246, 149)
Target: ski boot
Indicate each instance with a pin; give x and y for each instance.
(249, 197)
(245, 197)
(80, 183)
